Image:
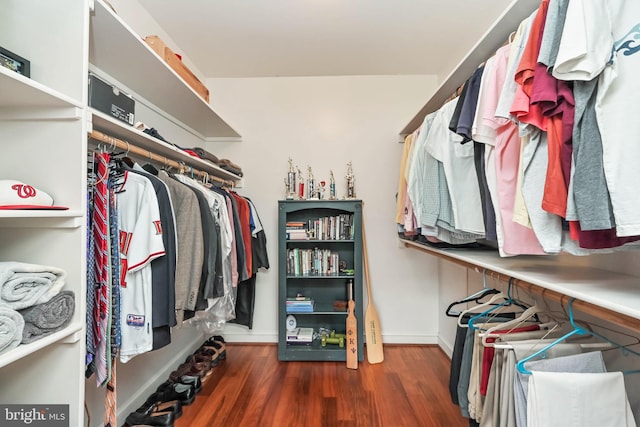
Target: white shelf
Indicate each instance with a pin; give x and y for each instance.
(19, 92)
(24, 350)
(117, 50)
(486, 46)
(41, 219)
(613, 291)
(117, 129)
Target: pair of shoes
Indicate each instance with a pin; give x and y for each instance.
(219, 344)
(165, 419)
(190, 368)
(200, 359)
(148, 408)
(185, 379)
(186, 394)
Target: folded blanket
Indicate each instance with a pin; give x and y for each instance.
(23, 285)
(204, 154)
(46, 318)
(11, 327)
(228, 165)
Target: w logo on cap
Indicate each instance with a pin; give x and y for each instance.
(19, 195)
(24, 191)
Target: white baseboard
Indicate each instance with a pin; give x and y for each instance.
(445, 346)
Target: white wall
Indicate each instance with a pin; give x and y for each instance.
(325, 122)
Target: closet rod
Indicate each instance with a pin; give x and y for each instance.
(618, 319)
(143, 153)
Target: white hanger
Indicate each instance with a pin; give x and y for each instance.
(510, 324)
(492, 300)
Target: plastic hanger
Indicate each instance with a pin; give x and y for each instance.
(577, 330)
(508, 302)
(492, 302)
(476, 297)
(512, 324)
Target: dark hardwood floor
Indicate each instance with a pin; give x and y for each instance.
(252, 388)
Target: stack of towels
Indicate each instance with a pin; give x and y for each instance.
(32, 303)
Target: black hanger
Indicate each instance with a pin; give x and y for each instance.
(477, 297)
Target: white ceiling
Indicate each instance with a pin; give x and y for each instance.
(265, 38)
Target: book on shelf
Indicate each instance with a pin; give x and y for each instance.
(296, 235)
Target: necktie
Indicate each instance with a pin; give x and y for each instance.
(101, 255)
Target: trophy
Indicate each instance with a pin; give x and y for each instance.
(311, 184)
(332, 186)
(321, 189)
(300, 184)
(290, 182)
(351, 182)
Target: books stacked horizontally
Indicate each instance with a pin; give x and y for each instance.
(300, 305)
(296, 230)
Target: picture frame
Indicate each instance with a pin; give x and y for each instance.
(15, 62)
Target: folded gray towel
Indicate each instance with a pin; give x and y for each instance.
(23, 285)
(11, 327)
(49, 317)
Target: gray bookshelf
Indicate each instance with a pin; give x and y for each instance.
(304, 268)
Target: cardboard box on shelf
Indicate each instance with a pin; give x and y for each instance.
(170, 57)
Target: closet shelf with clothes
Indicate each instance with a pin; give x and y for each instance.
(111, 128)
(113, 143)
(527, 157)
(605, 294)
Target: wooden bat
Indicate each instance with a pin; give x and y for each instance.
(352, 332)
(373, 333)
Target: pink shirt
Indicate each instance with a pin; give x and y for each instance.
(517, 239)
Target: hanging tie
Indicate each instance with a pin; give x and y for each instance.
(101, 254)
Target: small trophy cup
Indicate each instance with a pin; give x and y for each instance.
(351, 182)
(332, 186)
(290, 182)
(311, 184)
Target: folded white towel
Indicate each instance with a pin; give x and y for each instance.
(23, 285)
(11, 327)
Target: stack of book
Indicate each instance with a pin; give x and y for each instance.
(300, 305)
(296, 230)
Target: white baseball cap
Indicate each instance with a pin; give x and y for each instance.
(18, 195)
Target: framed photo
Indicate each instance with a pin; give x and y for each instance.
(14, 62)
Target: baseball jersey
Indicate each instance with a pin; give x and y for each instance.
(140, 243)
